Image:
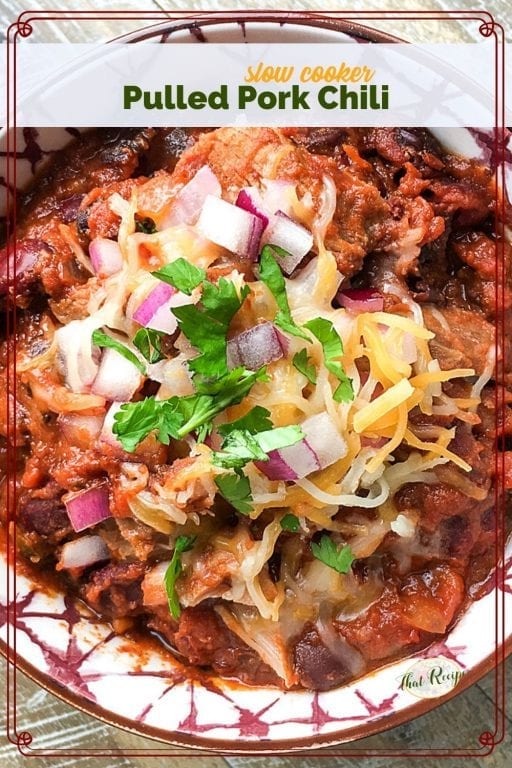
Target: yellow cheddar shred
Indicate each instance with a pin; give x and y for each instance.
(424, 379)
(391, 398)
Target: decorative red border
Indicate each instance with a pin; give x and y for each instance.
(23, 27)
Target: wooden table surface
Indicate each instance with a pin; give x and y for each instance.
(56, 726)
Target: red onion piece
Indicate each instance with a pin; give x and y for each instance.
(77, 354)
(83, 552)
(117, 378)
(250, 200)
(278, 195)
(324, 439)
(155, 310)
(89, 507)
(187, 205)
(290, 463)
(230, 227)
(107, 435)
(361, 300)
(80, 430)
(106, 256)
(321, 446)
(295, 239)
(255, 347)
(276, 467)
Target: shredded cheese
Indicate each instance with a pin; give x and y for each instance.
(391, 398)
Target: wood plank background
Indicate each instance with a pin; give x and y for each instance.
(53, 724)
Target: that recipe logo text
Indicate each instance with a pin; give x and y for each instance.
(430, 678)
(335, 87)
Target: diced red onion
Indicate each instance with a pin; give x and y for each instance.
(232, 228)
(117, 379)
(361, 300)
(79, 358)
(107, 435)
(83, 552)
(255, 347)
(89, 507)
(250, 200)
(295, 239)
(80, 430)
(324, 439)
(187, 205)
(278, 195)
(155, 311)
(290, 463)
(321, 446)
(106, 256)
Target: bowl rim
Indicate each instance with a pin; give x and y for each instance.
(275, 746)
(281, 746)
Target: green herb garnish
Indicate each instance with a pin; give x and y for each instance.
(148, 342)
(328, 553)
(290, 523)
(182, 275)
(182, 544)
(240, 446)
(236, 489)
(302, 363)
(270, 274)
(101, 339)
(332, 346)
(256, 420)
(178, 416)
(206, 326)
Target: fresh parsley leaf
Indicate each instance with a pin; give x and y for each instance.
(134, 421)
(178, 416)
(332, 346)
(270, 274)
(290, 523)
(256, 420)
(229, 390)
(181, 274)
(182, 544)
(328, 553)
(206, 325)
(145, 225)
(101, 339)
(236, 489)
(279, 437)
(302, 364)
(148, 342)
(240, 446)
